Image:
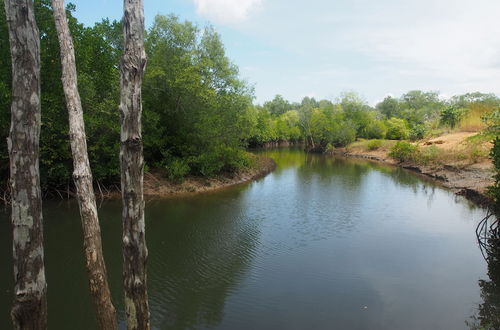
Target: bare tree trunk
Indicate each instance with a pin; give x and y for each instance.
(132, 167)
(29, 309)
(82, 176)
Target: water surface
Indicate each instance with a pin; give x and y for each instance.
(320, 243)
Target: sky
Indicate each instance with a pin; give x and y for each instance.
(321, 48)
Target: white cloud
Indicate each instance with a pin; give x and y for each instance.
(460, 44)
(227, 11)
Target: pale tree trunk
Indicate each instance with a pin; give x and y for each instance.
(82, 176)
(29, 309)
(132, 167)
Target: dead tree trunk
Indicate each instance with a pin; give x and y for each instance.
(135, 251)
(29, 309)
(82, 176)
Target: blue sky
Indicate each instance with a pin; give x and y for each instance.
(321, 48)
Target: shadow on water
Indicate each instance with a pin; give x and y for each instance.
(189, 289)
(199, 248)
(487, 315)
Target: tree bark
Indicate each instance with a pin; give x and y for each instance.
(135, 252)
(82, 176)
(29, 309)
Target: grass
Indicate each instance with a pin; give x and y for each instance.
(475, 149)
(471, 151)
(371, 145)
(472, 121)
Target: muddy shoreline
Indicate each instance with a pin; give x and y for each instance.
(156, 185)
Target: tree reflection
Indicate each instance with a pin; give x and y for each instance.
(488, 312)
(199, 253)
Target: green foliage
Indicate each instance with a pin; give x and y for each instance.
(495, 156)
(220, 160)
(177, 170)
(404, 151)
(277, 106)
(397, 129)
(375, 129)
(195, 106)
(492, 121)
(356, 111)
(374, 144)
(198, 114)
(417, 132)
(451, 116)
(429, 155)
(196, 109)
(389, 107)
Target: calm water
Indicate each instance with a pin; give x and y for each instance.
(320, 243)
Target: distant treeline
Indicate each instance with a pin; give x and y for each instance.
(198, 113)
(324, 123)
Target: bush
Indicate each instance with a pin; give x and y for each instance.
(404, 151)
(397, 129)
(235, 159)
(343, 136)
(495, 156)
(221, 159)
(451, 116)
(374, 144)
(375, 130)
(417, 132)
(177, 170)
(430, 155)
(329, 148)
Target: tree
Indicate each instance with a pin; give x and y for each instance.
(451, 116)
(82, 176)
(277, 106)
(135, 252)
(29, 309)
(195, 105)
(397, 129)
(356, 111)
(389, 107)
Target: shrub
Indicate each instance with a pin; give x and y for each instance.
(374, 144)
(375, 130)
(495, 156)
(177, 170)
(417, 132)
(451, 116)
(220, 159)
(235, 159)
(397, 129)
(343, 136)
(430, 155)
(404, 151)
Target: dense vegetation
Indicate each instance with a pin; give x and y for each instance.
(194, 102)
(198, 113)
(493, 129)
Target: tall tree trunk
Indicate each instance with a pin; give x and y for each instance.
(29, 309)
(132, 167)
(82, 176)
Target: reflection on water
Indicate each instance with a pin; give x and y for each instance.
(487, 315)
(321, 242)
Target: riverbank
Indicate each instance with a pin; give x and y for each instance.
(467, 176)
(157, 184)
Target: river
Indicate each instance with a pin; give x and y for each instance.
(320, 243)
